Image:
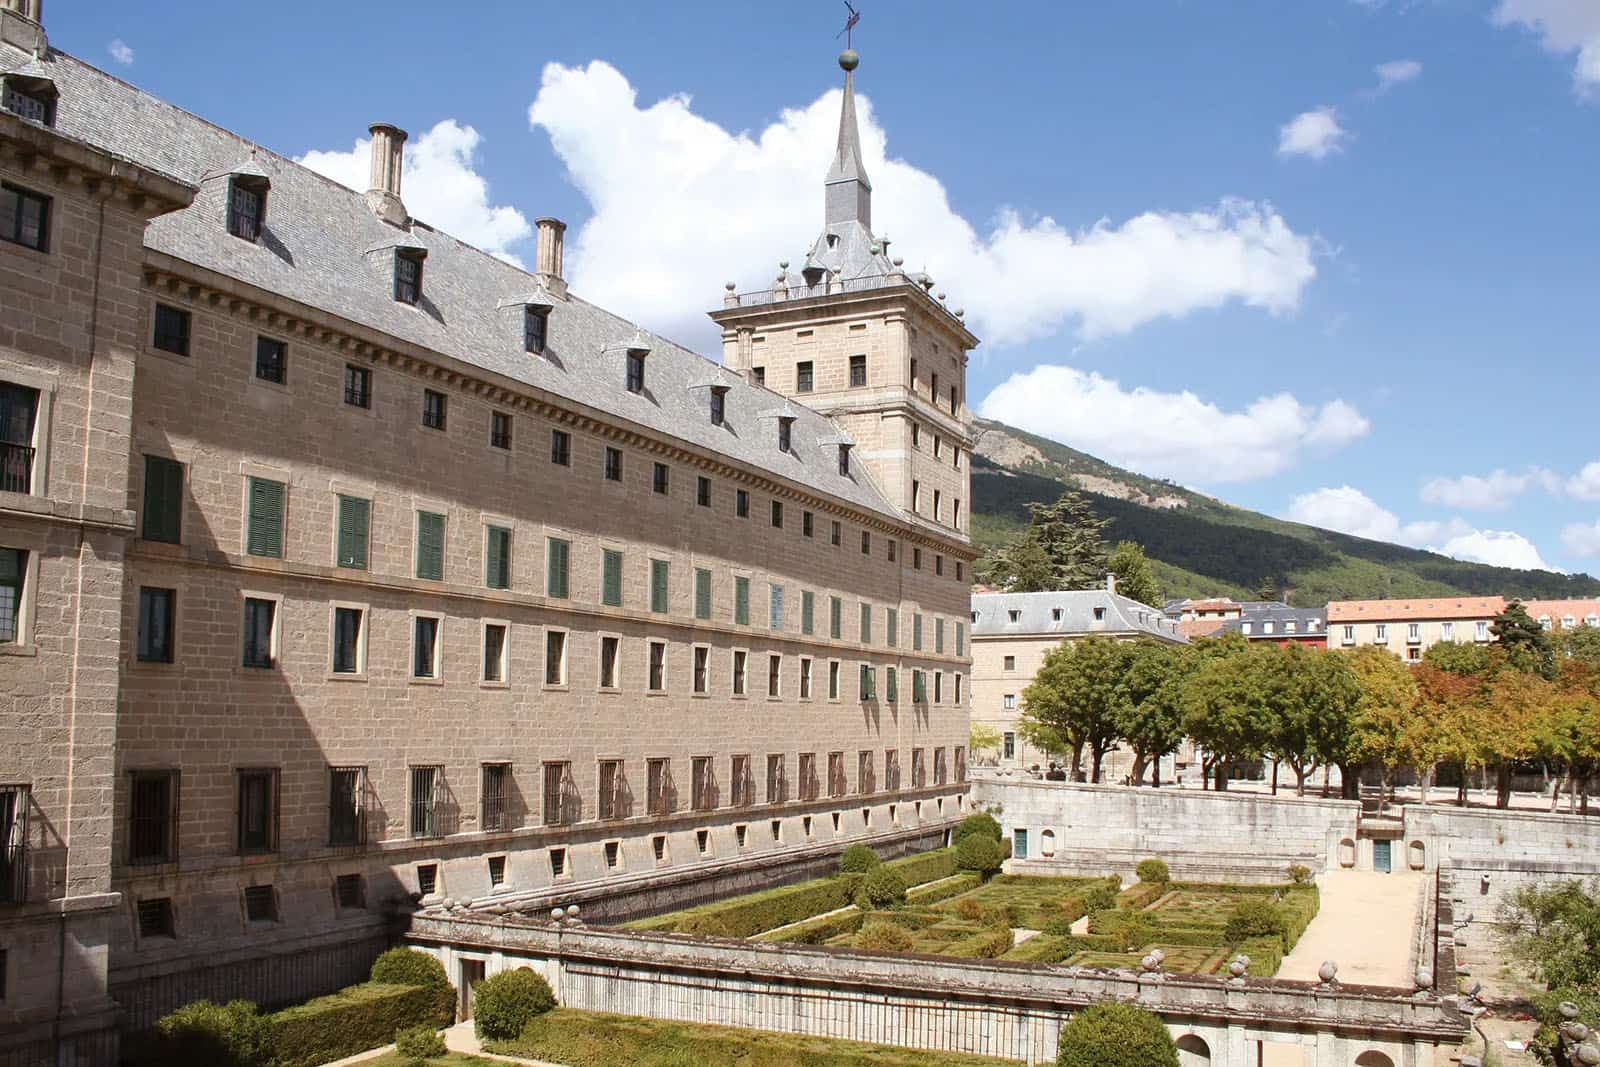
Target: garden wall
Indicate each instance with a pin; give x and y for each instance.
(1489, 853)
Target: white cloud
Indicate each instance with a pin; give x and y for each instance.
(1563, 26)
(1582, 539)
(120, 52)
(1315, 133)
(1172, 435)
(1397, 72)
(682, 205)
(1349, 510)
(1585, 485)
(1491, 492)
(1498, 548)
(439, 186)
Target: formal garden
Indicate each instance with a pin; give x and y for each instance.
(953, 902)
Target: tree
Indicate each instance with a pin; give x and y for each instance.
(1076, 699)
(1023, 566)
(1460, 659)
(1135, 577)
(982, 739)
(1386, 728)
(1520, 704)
(1523, 640)
(1580, 644)
(1452, 704)
(1151, 720)
(1319, 717)
(1063, 548)
(1111, 1034)
(1224, 711)
(1555, 930)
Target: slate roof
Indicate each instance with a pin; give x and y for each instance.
(322, 246)
(991, 615)
(1308, 622)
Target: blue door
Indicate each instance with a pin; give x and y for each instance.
(1019, 844)
(1380, 856)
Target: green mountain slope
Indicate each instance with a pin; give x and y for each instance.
(1203, 546)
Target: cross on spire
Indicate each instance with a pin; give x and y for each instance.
(850, 21)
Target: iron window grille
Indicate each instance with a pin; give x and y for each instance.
(347, 806)
(866, 773)
(561, 448)
(777, 779)
(433, 409)
(702, 491)
(427, 878)
(561, 802)
(535, 328)
(152, 817)
(350, 891)
(661, 797)
(808, 776)
(495, 797)
(635, 376)
(837, 786)
(940, 772)
(24, 217)
(659, 478)
(613, 795)
(741, 503)
(427, 802)
(155, 918)
(171, 330)
(260, 904)
(500, 430)
(247, 207)
(803, 377)
(703, 792)
(961, 764)
(357, 386)
(858, 371)
(407, 277)
(38, 106)
(18, 407)
(258, 810)
(15, 805)
(743, 782)
(613, 468)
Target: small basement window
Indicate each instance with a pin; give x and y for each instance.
(155, 918)
(350, 891)
(408, 276)
(260, 904)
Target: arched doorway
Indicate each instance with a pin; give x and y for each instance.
(1374, 1058)
(1193, 1052)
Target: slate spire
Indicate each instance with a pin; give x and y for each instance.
(847, 191)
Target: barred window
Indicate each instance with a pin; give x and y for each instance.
(347, 808)
(152, 816)
(495, 797)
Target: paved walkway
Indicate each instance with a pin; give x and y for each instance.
(458, 1038)
(1365, 925)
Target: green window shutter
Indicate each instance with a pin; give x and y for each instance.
(919, 692)
(866, 624)
(355, 517)
(741, 601)
(264, 536)
(835, 617)
(497, 558)
(866, 683)
(658, 586)
(808, 603)
(894, 690)
(702, 593)
(938, 636)
(163, 500)
(611, 578)
(892, 626)
(961, 639)
(556, 578)
(916, 632)
(430, 546)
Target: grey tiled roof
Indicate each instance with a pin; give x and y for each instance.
(1307, 621)
(1036, 615)
(322, 246)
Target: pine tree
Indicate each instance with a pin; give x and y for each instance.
(1135, 577)
(1063, 548)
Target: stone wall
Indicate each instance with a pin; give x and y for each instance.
(1490, 853)
(1202, 835)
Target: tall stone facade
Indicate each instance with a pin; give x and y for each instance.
(357, 567)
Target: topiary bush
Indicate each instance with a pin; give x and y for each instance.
(1153, 871)
(353, 1020)
(1299, 874)
(1099, 898)
(886, 937)
(858, 859)
(1116, 1035)
(1253, 918)
(881, 888)
(503, 1003)
(408, 966)
(416, 1045)
(982, 824)
(980, 853)
(218, 1035)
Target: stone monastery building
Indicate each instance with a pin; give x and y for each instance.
(345, 566)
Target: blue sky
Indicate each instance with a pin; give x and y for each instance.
(1208, 240)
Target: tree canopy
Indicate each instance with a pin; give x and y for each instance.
(1062, 548)
(1136, 579)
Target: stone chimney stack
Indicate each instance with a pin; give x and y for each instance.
(383, 189)
(22, 25)
(552, 237)
(1111, 584)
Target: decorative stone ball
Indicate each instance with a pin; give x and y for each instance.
(572, 911)
(1238, 968)
(1422, 978)
(730, 286)
(783, 264)
(1568, 1009)
(449, 902)
(1589, 1053)
(1160, 957)
(899, 261)
(555, 915)
(941, 296)
(961, 313)
(848, 60)
(1576, 1031)
(1150, 963)
(1328, 971)
(1244, 959)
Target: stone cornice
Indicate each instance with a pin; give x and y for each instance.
(285, 316)
(27, 146)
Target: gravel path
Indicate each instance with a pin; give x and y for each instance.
(1365, 925)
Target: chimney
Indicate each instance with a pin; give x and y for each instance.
(1111, 584)
(383, 189)
(22, 25)
(552, 237)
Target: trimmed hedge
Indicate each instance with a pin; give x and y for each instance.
(416, 1045)
(885, 937)
(925, 867)
(880, 888)
(767, 910)
(991, 944)
(944, 889)
(217, 1035)
(409, 966)
(982, 824)
(1153, 870)
(1266, 956)
(858, 859)
(979, 853)
(353, 1020)
(1141, 894)
(819, 930)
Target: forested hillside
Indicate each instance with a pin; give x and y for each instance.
(1203, 546)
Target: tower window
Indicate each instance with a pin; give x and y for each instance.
(407, 277)
(803, 377)
(858, 371)
(24, 217)
(535, 325)
(247, 207)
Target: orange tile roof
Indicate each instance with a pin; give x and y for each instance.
(1201, 627)
(1211, 605)
(1560, 609)
(1468, 607)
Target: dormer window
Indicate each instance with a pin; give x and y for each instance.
(1099, 614)
(635, 373)
(247, 207)
(785, 426)
(719, 405)
(408, 276)
(535, 325)
(32, 98)
(844, 461)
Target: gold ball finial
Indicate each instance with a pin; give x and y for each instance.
(849, 60)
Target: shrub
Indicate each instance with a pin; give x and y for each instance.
(924, 867)
(353, 1020)
(416, 1045)
(988, 944)
(981, 824)
(218, 1035)
(706, 924)
(881, 888)
(1116, 1035)
(969, 909)
(1154, 871)
(407, 966)
(767, 910)
(979, 853)
(503, 1003)
(1099, 898)
(1299, 873)
(1253, 918)
(943, 889)
(1057, 928)
(886, 937)
(858, 859)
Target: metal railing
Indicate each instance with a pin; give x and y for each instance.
(16, 468)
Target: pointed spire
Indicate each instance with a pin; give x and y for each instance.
(847, 191)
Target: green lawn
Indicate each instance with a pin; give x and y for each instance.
(581, 1038)
(449, 1059)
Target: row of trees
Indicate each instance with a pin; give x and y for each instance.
(1529, 700)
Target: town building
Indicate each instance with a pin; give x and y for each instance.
(1012, 633)
(1276, 623)
(1564, 614)
(345, 566)
(1408, 628)
(1206, 609)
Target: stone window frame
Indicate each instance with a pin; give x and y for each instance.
(694, 650)
(600, 638)
(505, 654)
(411, 647)
(275, 642)
(149, 346)
(487, 522)
(734, 675)
(835, 681)
(255, 379)
(360, 673)
(774, 697)
(565, 684)
(666, 674)
(420, 506)
(339, 487)
(46, 385)
(249, 469)
(806, 685)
